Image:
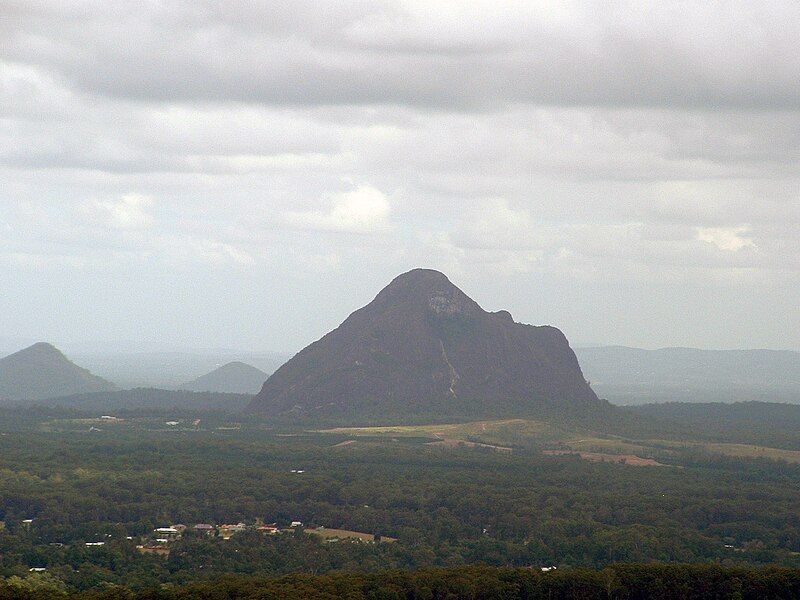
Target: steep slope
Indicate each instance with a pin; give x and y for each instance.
(42, 371)
(234, 377)
(423, 347)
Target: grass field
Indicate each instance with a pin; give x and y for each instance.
(346, 534)
(504, 434)
(735, 450)
(499, 433)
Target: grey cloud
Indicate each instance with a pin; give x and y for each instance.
(357, 53)
(552, 158)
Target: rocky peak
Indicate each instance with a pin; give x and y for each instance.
(422, 346)
(429, 289)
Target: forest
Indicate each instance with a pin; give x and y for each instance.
(621, 582)
(76, 501)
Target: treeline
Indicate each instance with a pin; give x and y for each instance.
(617, 582)
(764, 423)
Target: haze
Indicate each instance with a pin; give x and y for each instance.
(246, 175)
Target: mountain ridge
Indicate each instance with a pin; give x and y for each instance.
(628, 375)
(422, 346)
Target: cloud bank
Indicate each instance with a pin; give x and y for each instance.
(627, 173)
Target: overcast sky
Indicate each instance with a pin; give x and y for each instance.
(246, 174)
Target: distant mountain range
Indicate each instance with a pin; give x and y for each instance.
(636, 376)
(420, 348)
(423, 347)
(42, 371)
(234, 377)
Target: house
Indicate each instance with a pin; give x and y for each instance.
(179, 528)
(95, 543)
(167, 533)
(268, 529)
(205, 528)
(296, 524)
(37, 569)
(226, 531)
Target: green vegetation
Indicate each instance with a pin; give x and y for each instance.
(446, 505)
(620, 582)
(83, 480)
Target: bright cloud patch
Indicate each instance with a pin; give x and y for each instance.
(726, 238)
(129, 212)
(363, 210)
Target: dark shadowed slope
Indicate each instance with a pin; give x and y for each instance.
(423, 347)
(42, 371)
(234, 377)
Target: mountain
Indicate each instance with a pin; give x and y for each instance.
(234, 377)
(170, 370)
(636, 376)
(423, 347)
(42, 371)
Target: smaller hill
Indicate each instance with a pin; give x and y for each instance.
(234, 377)
(41, 371)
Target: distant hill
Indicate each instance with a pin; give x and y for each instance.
(423, 347)
(151, 399)
(636, 376)
(168, 370)
(235, 377)
(42, 371)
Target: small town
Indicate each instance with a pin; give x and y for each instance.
(160, 540)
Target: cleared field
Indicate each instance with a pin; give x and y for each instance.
(502, 435)
(451, 443)
(345, 534)
(623, 459)
(492, 433)
(609, 445)
(735, 450)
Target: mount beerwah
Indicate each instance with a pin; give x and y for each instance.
(422, 347)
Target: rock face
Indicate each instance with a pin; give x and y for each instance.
(235, 377)
(42, 371)
(424, 348)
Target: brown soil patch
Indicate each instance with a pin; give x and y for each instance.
(623, 459)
